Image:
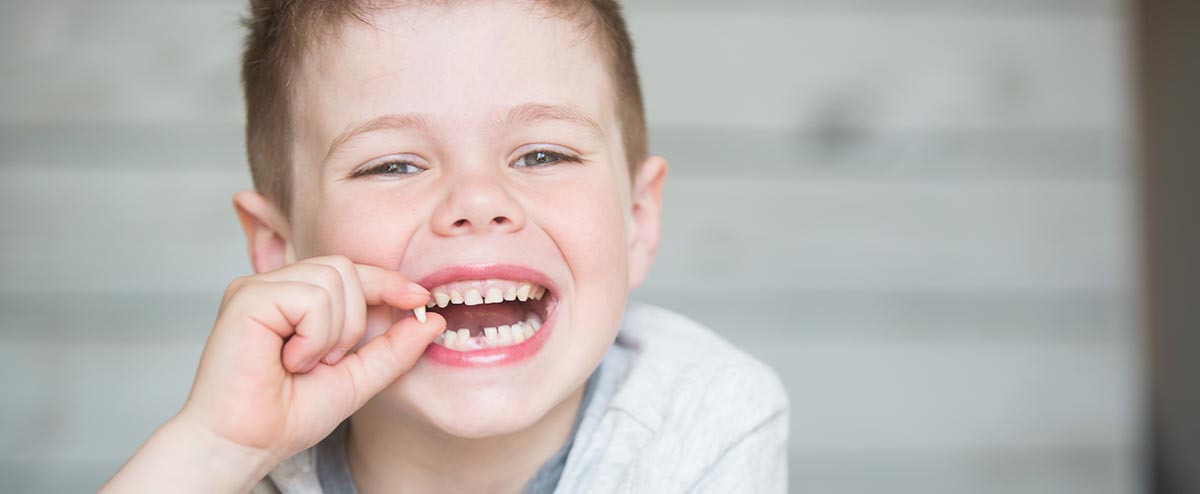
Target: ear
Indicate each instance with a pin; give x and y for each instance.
(267, 232)
(645, 217)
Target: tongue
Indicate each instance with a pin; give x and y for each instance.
(477, 317)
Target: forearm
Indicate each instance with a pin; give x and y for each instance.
(183, 457)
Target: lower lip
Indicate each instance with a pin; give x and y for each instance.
(490, 357)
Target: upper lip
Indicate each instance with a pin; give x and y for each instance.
(512, 272)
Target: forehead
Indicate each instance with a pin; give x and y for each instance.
(461, 65)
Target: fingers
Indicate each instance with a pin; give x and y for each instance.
(351, 288)
(382, 360)
(382, 286)
(296, 311)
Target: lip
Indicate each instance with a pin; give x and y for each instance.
(491, 357)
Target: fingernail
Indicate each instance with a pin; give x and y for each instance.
(416, 288)
(420, 313)
(335, 355)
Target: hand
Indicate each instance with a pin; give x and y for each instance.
(276, 375)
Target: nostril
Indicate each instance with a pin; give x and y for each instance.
(501, 221)
(461, 223)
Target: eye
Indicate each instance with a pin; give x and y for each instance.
(534, 159)
(395, 167)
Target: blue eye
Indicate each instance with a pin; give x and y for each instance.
(535, 159)
(401, 168)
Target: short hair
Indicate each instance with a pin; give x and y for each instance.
(279, 37)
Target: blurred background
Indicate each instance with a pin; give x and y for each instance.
(922, 213)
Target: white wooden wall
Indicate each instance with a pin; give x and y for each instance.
(918, 211)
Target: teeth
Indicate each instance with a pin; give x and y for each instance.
(441, 299)
(505, 335)
(431, 303)
(420, 313)
(537, 293)
(523, 292)
(456, 297)
(511, 294)
(494, 296)
(472, 297)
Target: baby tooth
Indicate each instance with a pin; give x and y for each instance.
(511, 293)
(491, 335)
(518, 334)
(456, 297)
(528, 330)
(441, 299)
(420, 313)
(537, 293)
(505, 335)
(464, 334)
(449, 339)
(494, 296)
(431, 304)
(523, 292)
(535, 323)
(472, 297)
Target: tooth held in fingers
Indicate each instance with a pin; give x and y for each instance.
(494, 296)
(472, 297)
(420, 313)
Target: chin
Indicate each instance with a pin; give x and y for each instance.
(480, 412)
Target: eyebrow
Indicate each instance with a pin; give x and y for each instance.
(530, 113)
(527, 113)
(394, 122)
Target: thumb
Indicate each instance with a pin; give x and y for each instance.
(386, 357)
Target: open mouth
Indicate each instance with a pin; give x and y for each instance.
(493, 313)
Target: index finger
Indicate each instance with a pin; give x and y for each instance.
(382, 286)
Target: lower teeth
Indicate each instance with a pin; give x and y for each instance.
(496, 337)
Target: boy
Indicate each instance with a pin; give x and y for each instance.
(495, 154)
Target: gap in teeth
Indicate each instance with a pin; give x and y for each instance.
(490, 337)
(476, 292)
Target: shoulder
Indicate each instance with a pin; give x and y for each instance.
(673, 364)
(676, 393)
(295, 475)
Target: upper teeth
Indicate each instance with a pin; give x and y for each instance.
(477, 292)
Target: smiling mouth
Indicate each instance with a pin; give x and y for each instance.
(493, 313)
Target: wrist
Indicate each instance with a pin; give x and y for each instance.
(184, 456)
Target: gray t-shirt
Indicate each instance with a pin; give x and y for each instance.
(674, 408)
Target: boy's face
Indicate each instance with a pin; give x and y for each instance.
(467, 143)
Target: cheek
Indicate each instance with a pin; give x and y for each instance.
(592, 232)
(364, 233)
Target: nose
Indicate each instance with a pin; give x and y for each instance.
(478, 206)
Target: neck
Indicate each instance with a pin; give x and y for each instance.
(390, 454)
